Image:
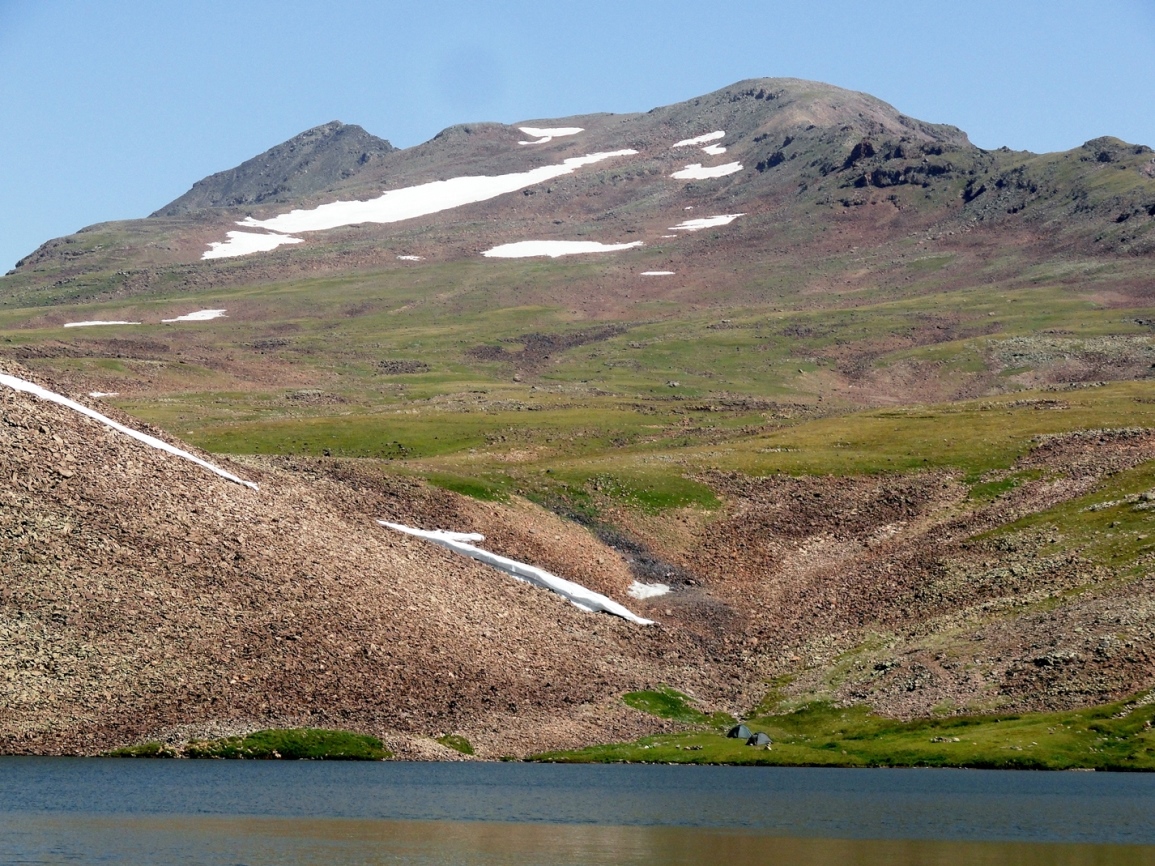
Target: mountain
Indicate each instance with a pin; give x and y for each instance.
(808, 152)
(873, 403)
(311, 162)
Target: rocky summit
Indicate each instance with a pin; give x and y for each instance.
(857, 413)
(310, 162)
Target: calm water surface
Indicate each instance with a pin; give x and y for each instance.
(217, 813)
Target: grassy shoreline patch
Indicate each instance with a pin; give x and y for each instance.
(1117, 736)
(457, 742)
(295, 744)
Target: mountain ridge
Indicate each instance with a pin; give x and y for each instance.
(787, 160)
(803, 104)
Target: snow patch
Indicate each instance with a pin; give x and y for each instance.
(706, 222)
(696, 172)
(198, 316)
(44, 394)
(244, 243)
(99, 394)
(669, 236)
(411, 258)
(553, 249)
(658, 273)
(545, 135)
(575, 593)
(714, 150)
(701, 139)
(647, 590)
(95, 324)
(427, 198)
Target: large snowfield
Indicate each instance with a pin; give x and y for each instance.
(553, 249)
(417, 201)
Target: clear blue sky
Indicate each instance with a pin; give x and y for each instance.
(111, 109)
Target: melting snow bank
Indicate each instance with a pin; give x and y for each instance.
(198, 316)
(657, 273)
(701, 139)
(53, 397)
(545, 135)
(243, 243)
(575, 593)
(696, 172)
(94, 324)
(714, 150)
(706, 222)
(410, 258)
(417, 201)
(553, 249)
(647, 590)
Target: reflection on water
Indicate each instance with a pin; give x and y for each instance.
(294, 842)
(218, 813)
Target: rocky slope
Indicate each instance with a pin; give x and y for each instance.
(316, 160)
(142, 595)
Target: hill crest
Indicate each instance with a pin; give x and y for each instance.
(307, 163)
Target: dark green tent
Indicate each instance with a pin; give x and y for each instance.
(759, 739)
(740, 732)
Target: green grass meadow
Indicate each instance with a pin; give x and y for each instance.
(1115, 736)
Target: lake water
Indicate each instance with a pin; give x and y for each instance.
(218, 813)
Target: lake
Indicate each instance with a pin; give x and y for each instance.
(224, 813)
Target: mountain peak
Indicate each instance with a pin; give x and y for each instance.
(314, 160)
(790, 105)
